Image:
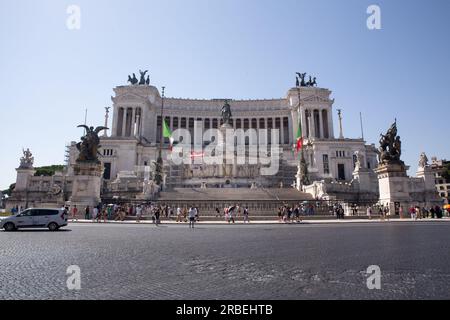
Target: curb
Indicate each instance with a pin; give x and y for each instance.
(268, 222)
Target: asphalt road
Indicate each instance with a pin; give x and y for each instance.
(228, 262)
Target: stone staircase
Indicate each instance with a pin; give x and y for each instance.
(234, 194)
(261, 202)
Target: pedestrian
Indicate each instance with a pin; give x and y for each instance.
(369, 212)
(158, 215)
(225, 214)
(138, 213)
(197, 214)
(179, 213)
(400, 212)
(246, 215)
(104, 214)
(74, 213)
(387, 212)
(217, 213)
(94, 214)
(87, 213)
(433, 212)
(191, 217)
(412, 212)
(438, 212)
(417, 212)
(109, 210)
(289, 214)
(231, 214)
(297, 214)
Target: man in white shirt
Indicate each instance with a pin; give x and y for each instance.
(191, 217)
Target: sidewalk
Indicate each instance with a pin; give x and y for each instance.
(267, 222)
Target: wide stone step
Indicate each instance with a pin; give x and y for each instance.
(230, 194)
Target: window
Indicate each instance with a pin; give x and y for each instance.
(341, 171)
(107, 171)
(108, 152)
(44, 212)
(326, 165)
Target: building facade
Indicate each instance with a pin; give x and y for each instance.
(136, 135)
(442, 183)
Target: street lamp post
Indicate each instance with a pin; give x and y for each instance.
(159, 161)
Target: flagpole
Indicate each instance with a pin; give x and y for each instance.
(361, 121)
(159, 161)
(302, 167)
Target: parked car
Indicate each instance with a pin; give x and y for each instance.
(53, 219)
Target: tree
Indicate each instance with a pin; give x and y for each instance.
(446, 171)
(9, 190)
(48, 170)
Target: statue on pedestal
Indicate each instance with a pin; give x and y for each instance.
(133, 80)
(89, 145)
(300, 80)
(359, 160)
(390, 148)
(423, 161)
(142, 81)
(27, 160)
(226, 113)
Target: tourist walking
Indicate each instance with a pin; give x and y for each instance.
(433, 212)
(158, 215)
(197, 214)
(246, 215)
(387, 212)
(191, 217)
(138, 214)
(412, 212)
(231, 214)
(297, 214)
(87, 213)
(94, 214)
(109, 210)
(179, 214)
(74, 213)
(369, 212)
(438, 212)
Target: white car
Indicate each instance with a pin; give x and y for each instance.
(53, 219)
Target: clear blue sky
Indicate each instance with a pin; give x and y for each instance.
(217, 49)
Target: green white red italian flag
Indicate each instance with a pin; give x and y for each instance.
(167, 134)
(299, 138)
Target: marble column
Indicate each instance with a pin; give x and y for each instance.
(124, 122)
(115, 121)
(303, 124)
(133, 122)
(321, 131)
(313, 124)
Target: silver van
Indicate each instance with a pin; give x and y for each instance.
(53, 219)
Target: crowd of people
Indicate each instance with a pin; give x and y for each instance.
(286, 213)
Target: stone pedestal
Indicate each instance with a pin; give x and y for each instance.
(23, 177)
(362, 175)
(394, 186)
(430, 194)
(86, 184)
(229, 168)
